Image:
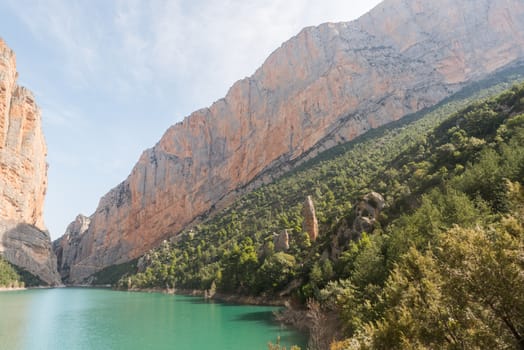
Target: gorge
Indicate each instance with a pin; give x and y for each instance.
(367, 179)
(323, 87)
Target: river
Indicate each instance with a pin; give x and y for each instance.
(98, 319)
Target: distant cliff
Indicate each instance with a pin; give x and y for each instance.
(324, 86)
(66, 247)
(24, 240)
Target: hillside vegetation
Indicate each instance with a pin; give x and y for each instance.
(12, 276)
(443, 266)
(9, 278)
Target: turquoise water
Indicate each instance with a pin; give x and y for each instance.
(76, 318)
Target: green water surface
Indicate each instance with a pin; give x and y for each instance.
(77, 318)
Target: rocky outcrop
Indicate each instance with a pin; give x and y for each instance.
(363, 219)
(281, 241)
(66, 248)
(310, 224)
(29, 248)
(325, 86)
(367, 212)
(23, 176)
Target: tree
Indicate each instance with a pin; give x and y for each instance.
(276, 271)
(239, 267)
(8, 275)
(465, 293)
(439, 210)
(277, 346)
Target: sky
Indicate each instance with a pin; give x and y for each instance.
(110, 76)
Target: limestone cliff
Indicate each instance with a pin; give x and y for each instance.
(23, 176)
(66, 247)
(325, 86)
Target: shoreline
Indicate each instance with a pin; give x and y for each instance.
(221, 297)
(286, 303)
(15, 289)
(12, 289)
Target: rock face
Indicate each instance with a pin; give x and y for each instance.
(281, 241)
(66, 248)
(325, 86)
(30, 248)
(367, 212)
(23, 176)
(310, 224)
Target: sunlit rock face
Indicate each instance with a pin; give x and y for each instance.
(310, 224)
(324, 86)
(24, 240)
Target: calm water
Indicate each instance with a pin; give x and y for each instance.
(75, 318)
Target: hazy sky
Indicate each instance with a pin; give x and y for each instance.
(112, 76)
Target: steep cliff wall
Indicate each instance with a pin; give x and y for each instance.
(23, 176)
(325, 86)
(66, 248)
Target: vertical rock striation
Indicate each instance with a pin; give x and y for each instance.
(324, 86)
(24, 240)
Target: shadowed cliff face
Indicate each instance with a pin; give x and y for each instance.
(23, 176)
(66, 247)
(325, 86)
(30, 248)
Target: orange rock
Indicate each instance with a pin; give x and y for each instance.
(310, 224)
(323, 87)
(23, 176)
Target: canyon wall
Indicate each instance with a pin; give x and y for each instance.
(24, 240)
(321, 88)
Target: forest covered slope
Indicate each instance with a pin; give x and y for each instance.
(451, 228)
